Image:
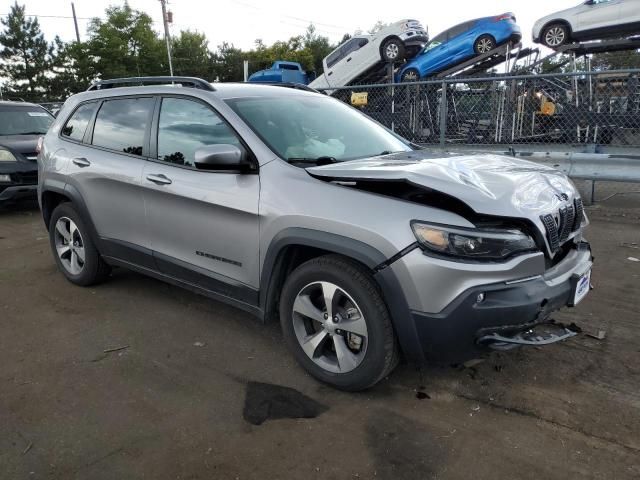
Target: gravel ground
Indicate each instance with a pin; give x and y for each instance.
(177, 402)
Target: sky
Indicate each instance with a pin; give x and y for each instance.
(241, 22)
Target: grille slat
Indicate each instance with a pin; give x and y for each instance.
(552, 231)
(577, 221)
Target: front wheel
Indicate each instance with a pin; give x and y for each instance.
(336, 323)
(392, 50)
(410, 75)
(484, 44)
(555, 35)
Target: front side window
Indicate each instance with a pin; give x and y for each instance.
(76, 126)
(185, 126)
(308, 127)
(24, 120)
(121, 124)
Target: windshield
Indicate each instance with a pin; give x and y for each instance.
(311, 127)
(19, 120)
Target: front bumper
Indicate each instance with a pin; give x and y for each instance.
(507, 307)
(17, 192)
(414, 38)
(23, 180)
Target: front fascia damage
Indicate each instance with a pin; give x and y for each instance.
(490, 191)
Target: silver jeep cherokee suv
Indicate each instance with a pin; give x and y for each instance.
(286, 202)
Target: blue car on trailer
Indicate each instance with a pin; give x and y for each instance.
(460, 43)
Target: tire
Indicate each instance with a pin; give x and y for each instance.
(555, 35)
(484, 44)
(410, 75)
(67, 224)
(392, 50)
(343, 359)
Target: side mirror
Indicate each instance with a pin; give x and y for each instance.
(221, 157)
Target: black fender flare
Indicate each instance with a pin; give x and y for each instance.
(74, 195)
(369, 256)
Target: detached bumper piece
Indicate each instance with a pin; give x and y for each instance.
(541, 334)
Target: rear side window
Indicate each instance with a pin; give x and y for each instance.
(121, 124)
(460, 29)
(185, 126)
(76, 126)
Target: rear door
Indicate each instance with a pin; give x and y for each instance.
(348, 64)
(203, 224)
(106, 144)
(460, 41)
(599, 14)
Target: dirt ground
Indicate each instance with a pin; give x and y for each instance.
(171, 405)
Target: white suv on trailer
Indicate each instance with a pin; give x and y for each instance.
(362, 53)
(591, 20)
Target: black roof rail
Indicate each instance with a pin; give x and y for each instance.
(191, 82)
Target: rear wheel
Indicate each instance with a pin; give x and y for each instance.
(484, 44)
(392, 50)
(76, 255)
(336, 323)
(555, 35)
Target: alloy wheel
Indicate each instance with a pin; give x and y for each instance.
(555, 36)
(330, 327)
(410, 76)
(392, 51)
(485, 45)
(69, 245)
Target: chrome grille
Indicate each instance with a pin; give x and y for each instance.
(569, 220)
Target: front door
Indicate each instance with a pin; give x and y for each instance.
(599, 14)
(203, 224)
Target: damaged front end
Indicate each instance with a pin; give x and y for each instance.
(496, 284)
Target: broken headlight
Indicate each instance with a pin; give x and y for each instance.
(472, 243)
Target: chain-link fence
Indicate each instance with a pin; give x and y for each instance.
(601, 108)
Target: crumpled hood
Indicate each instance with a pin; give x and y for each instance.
(489, 184)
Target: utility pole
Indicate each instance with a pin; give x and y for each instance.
(75, 21)
(166, 33)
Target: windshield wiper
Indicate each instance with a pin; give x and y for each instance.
(325, 160)
(29, 133)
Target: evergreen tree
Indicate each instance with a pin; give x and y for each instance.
(25, 54)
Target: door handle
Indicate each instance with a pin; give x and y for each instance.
(349, 59)
(329, 74)
(81, 162)
(159, 179)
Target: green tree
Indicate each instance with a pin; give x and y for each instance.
(318, 46)
(616, 60)
(190, 54)
(125, 44)
(72, 71)
(26, 55)
(227, 63)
